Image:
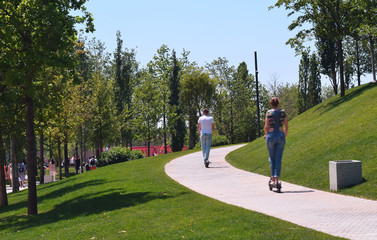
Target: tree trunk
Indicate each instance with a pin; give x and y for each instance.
(165, 142)
(149, 148)
(60, 159)
(231, 122)
(3, 187)
(41, 157)
(358, 72)
(31, 153)
(81, 151)
(372, 56)
(50, 148)
(66, 159)
(341, 68)
(334, 82)
(192, 130)
(15, 183)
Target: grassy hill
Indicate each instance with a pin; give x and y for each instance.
(338, 129)
(136, 200)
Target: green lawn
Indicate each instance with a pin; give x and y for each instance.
(136, 200)
(338, 129)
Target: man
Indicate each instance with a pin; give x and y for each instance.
(206, 124)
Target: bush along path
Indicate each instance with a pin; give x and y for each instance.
(331, 213)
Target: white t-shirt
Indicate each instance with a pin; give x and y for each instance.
(206, 124)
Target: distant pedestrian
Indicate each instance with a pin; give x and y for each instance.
(93, 163)
(52, 168)
(87, 167)
(206, 124)
(275, 138)
(21, 173)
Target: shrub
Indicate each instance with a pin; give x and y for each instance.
(117, 155)
(217, 140)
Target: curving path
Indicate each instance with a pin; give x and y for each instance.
(331, 213)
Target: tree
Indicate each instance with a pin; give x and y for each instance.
(198, 91)
(161, 69)
(358, 57)
(327, 51)
(314, 84)
(148, 107)
(287, 93)
(34, 34)
(47, 104)
(103, 125)
(125, 71)
(302, 97)
(368, 28)
(332, 20)
(176, 116)
(309, 87)
(221, 70)
(244, 110)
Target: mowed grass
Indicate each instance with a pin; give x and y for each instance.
(338, 129)
(136, 200)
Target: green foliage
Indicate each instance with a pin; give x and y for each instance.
(176, 116)
(217, 140)
(198, 91)
(125, 70)
(147, 106)
(118, 155)
(309, 87)
(287, 94)
(342, 128)
(330, 20)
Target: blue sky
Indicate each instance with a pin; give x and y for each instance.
(208, 29)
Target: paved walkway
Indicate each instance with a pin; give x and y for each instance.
(331, 213)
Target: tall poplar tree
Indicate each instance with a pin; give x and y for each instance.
(314, 85)
(125, 71)
(304, 69)
(176, 116)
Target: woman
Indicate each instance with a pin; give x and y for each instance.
(52, 168)
(275, 138)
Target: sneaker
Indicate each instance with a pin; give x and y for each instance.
(206, 164)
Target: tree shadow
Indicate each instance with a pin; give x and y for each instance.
(41, 196)
(349, 96)
(84, 206)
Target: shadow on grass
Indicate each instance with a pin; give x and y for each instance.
(70, 186)
(85, 205)
(349, 96)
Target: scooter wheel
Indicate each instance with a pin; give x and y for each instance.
(278, 188)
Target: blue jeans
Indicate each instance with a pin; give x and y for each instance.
(275, 144)
(206, 141)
